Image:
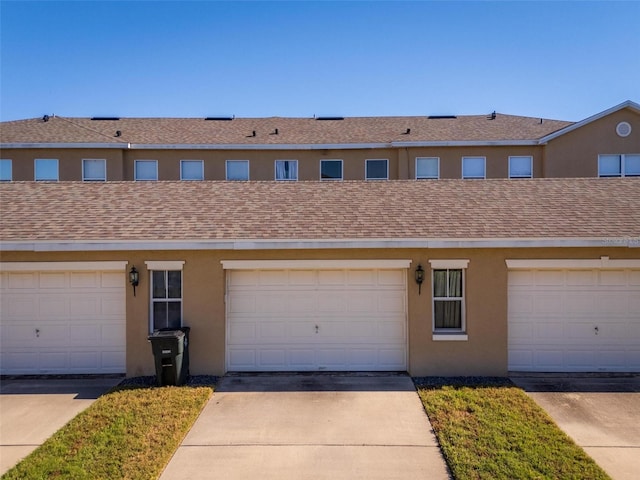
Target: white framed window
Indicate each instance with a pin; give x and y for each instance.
(146, 170)
(330, 169)
(625, 165)
(286, 170)
(166, 299)
(191, 170)
(377, 169)
(94, 170)
(473, 167)
(448, 296)
(521, 167)
(6, 170)
(46, 169)
(237, 170)
(427, 168)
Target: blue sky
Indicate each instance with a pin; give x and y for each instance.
(565, 60)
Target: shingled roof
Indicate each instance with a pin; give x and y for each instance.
(320, 211)
(276, 130)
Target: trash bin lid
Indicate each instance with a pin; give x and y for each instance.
(167, 334)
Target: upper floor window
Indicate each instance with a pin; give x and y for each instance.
(6, 170)
(238, 170)
(146, 170)
(330, 169)
(286, 170)
(191, 170)
(427, 167)
(46, 169)
(473, 167)
(619, 165)
(94, 170)
(377, 169)
(521, 167)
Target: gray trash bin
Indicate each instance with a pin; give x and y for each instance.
(168, 347)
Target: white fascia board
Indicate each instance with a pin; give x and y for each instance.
(466, 143)
(593, 118)
(122, 146)
(292, 244)
(573, 264)
(112, 266)
(312, 264)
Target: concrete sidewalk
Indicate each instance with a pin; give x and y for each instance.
(311, 426)
(31, 410)
(600, 413)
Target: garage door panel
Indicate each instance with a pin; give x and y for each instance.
(62, 322)
(612, 278)
(361, 277)
(361, 311)
(559, 333)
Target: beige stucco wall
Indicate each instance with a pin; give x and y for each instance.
(69, 161)
(575, 154)
(485, 352)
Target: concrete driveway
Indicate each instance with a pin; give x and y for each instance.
(600, 413)
(33, 410)
(311, 426)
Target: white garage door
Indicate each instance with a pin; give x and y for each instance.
(574, 320)
(309, 320)
(62, 322)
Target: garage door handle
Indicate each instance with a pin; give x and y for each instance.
(317, 328)
(596, 329)
(37, 332)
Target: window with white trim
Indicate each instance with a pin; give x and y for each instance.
(237, 170)
(427, 168)
(46, 169)
(330, 169)
(448, 294)
(377, 169)
(286, 170)
(146, 170)
(166, 299)
(473, 167)
(6, 170)
(521, 167)
(94, 170)
(625, 165)
(191, 170)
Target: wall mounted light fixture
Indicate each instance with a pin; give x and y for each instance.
(419, 277)
(134, 279)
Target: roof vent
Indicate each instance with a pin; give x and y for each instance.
(118, 133)
(222, 118)
(440, 117)
(492, 116)
(407, 132)
(105, 118)
(45, 118)
(328, 117)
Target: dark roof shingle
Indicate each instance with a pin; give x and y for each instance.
(442, 209)
(290, 131)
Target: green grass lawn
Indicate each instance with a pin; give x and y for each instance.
(490, 429)
(130, 433)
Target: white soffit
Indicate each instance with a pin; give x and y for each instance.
(602, 263)
(312, 264)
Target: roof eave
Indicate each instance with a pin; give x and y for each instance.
(296, 244)
(64, 145)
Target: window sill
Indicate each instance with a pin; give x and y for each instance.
(450, 337)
